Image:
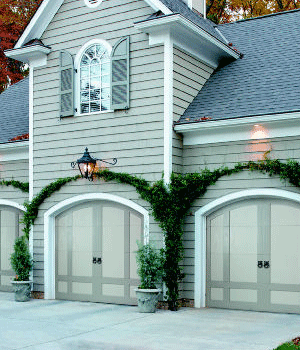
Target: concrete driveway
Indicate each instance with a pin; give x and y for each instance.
(53, 324)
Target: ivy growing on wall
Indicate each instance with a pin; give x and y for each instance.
(170, 204)
(23, 186)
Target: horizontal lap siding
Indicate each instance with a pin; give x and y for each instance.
(16, 170)
(135, 136)
(196, 158)
(189, 76)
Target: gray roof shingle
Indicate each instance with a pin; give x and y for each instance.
(14, 111)
(265, 81)
(179, 6)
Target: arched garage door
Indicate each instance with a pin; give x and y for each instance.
(253, 260)
(95, 252)
(10, 229)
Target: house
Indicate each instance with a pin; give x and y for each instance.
(162, 89)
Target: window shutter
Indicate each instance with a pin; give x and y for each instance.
(120, 74)
(66, 85)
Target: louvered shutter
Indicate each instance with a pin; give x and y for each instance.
(66, 85)
(120, 74)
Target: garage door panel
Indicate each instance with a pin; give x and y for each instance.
(10, 229)
(216, 240)
(263, 259)
(243, 244)
(94, 252)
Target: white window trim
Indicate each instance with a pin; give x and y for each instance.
(77, 75)
(200, 230)
(88, 4)
(49, 230)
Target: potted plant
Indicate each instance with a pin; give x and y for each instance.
(22, 264)
(150, 271)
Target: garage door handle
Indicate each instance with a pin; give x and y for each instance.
(97, 260)
(260, 264)
(266, 264)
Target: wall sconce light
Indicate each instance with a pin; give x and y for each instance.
(86, 164)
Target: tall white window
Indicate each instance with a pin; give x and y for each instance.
(94, 72)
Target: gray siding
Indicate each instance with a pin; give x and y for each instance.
(135, 136)
(17, 170)
(189, 77)
(196, 158)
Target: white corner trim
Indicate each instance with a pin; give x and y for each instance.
(31, 133)
(40, 21)
(49, 230)
(200, 230)
(168, 108)
(239, 129)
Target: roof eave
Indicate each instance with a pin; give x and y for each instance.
(13, 151)
(181, 29)
(28, 53)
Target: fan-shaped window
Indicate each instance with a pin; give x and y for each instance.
(92, 3)
(95, 79)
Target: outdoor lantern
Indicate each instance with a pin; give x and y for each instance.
(86, 164)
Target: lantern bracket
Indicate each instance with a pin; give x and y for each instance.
(86, 164)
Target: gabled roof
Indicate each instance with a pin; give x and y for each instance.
(14, 112)
(265, 81)
(48, 9)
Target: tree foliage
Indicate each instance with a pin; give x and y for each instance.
(223, 11)
(14, 15)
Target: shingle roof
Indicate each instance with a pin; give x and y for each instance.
(179, 6)
(265, 81)
(14, 111)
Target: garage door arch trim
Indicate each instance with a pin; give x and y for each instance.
(200, 230)
(49, 230)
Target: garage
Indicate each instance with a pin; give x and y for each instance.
(9, 230)
(253, 260)
(95, 248)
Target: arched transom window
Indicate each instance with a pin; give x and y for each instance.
(95, 79)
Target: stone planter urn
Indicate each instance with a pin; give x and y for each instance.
(22, 290)
(147, 299)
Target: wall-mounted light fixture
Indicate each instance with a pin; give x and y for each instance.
(86, 164)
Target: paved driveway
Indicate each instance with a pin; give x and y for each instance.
(60, 325)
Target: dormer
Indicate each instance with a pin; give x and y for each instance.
(198, 5)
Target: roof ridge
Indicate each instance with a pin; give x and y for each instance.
(260, 17)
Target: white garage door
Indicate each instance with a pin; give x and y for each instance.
(95, 253)
(10, 229)
(253, 259)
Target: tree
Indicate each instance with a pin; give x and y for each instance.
(223, 11)
(14, 15)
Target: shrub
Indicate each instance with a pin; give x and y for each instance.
(21, 260)
(150, 266)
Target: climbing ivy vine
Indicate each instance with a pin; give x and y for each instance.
(23, 186)
(170, 204)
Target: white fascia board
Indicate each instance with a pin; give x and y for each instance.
(188, 36)
(239, 129)
(30, 54)
(47, 11)
(14, 151)
(159, 6)
(39, 22)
